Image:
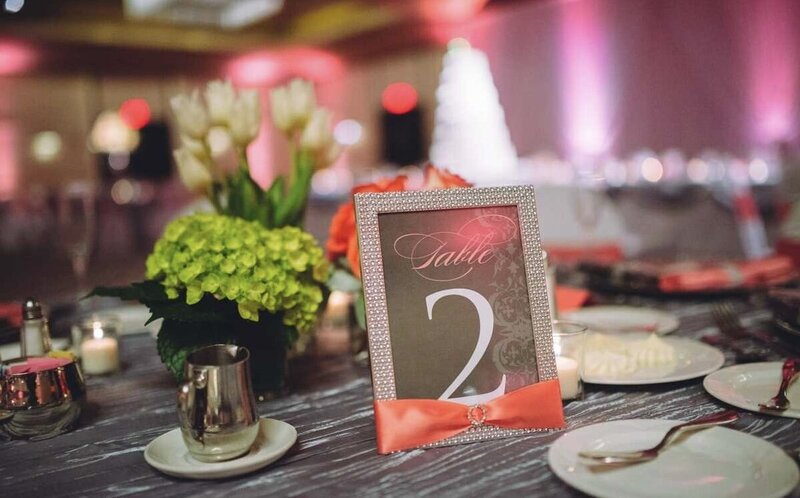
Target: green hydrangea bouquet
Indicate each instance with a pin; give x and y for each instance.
(247, 274)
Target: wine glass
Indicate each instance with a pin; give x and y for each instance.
(588, 201)
(76, 227)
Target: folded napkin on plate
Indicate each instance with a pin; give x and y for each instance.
(570, 254)
(690, 276)
(570, 298)
(756, 273)
(11, 312)
(789, 247)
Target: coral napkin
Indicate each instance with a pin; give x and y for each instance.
(570, 298)
(570, 254)
(754, 273)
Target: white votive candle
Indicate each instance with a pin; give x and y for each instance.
(569, 377)
(100, 356)
(338, 309)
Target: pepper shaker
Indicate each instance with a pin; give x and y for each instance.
(35, 331)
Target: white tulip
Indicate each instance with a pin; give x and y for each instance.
(328, 156)
(279, 106)
(317, 133)
(220, 96)
(245, 118)
(193, 172)
(302, 101)
(191, 115)
(292, 105)
(196, 147)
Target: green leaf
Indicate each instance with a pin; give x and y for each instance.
(250, 196)
(176, 339)
(291, 211)
(343, 280)
(361, 310)
(208, 310)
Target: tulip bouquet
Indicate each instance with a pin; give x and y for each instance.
(236, 115)
(247, 274)
(342, 244)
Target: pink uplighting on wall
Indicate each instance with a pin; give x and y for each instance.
(772, 53)
(15, 58)
(449, 10)
(259, 153)
(271, 67)
(9, 169)
(585, 82)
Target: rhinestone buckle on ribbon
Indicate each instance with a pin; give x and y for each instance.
(476, 419)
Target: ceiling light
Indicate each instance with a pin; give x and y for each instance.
(14, 6)
(226, 14)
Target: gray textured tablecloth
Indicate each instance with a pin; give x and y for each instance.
(330, 404)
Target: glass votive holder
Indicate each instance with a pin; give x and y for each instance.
(99, 345)
(550, 280)
(568, 338)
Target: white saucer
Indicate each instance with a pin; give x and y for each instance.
(712, 463)
(745, 386)
(693, 359)
(168, 453)
(624, 318)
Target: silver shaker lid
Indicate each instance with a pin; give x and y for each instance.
(31, 309)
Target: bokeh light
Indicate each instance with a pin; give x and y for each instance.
(758, 169)
(123, 192)
(119, 161)
(652, 170)
(15, 58)
(698, 171)
(135, 113)
(46, 147)
(348, 132)
(110, 134)
(399, 98)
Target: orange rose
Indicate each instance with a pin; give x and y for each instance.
(353, 257)
(342, 225)
(342, 240)
(441, 178)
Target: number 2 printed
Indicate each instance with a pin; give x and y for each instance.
(486, 326)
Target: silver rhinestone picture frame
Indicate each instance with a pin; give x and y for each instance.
(370, 206)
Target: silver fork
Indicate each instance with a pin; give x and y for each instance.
(780, 402)
(732, 330)
(626, 457)
(727, 321)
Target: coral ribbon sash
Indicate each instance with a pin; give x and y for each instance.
(403, 424)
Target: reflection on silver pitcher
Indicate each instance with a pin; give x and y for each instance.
(216, 406)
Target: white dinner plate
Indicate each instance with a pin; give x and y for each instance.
(712, 463)
(168, 453)
(745, 386)
(624, 318)
(693, 359)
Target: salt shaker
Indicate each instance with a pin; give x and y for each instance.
(35, 332)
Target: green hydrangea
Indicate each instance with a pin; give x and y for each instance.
(279, 270)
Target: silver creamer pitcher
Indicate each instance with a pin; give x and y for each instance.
(216, 406)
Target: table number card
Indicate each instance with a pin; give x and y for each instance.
(457, 316)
